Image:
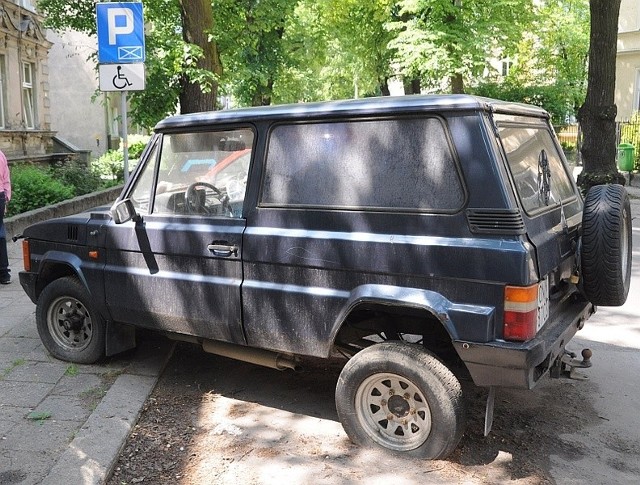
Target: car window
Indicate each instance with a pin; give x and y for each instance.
(538, 172)
(141, 194)
(401, 164)
(188, 182)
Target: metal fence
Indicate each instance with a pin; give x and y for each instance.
(627, 131)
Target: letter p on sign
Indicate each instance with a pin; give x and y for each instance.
(120, 32)
(120, 22)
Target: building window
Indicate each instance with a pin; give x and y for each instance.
(506, 67)
(3, 91)
(27, 4)
(28, 95)
(636, 94)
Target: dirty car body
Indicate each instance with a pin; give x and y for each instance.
(421, 237)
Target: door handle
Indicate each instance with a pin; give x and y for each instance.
(223, 250)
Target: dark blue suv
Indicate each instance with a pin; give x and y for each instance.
(423, 238)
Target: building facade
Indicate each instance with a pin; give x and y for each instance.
(628, 60)
(25, 118)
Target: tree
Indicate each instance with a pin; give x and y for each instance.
(550, 62)
(251, 36)
(452, 39)
(598, 113)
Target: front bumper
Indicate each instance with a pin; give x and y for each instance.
(522, 364)
(28, 282)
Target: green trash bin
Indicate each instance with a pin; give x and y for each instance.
(626, 157)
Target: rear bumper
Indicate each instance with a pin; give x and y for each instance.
(522, 364)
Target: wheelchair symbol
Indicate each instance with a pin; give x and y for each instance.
(120, 81)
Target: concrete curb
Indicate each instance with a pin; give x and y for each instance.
(16, 224)
(95, 449)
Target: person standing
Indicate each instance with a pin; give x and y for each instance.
(5, 197)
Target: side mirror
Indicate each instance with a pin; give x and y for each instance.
(123, 211)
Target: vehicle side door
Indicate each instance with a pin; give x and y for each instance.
(178, 266)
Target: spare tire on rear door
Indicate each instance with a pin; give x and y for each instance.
(606, 245)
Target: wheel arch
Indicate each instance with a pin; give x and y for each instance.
(56, 265)
(403, 310)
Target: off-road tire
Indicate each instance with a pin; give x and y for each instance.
(428, 398)
(606, 245)
(68, 324)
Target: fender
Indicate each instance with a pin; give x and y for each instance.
(83, 269)
(457, 319)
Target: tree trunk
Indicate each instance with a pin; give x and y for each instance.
(598, 113)
(457, 84)
(384, 87)
(411, 86)
(197, 21)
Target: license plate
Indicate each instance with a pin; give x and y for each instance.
(543, 303)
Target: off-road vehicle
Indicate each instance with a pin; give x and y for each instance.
(425, 238)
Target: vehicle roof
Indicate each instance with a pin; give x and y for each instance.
(363, 107)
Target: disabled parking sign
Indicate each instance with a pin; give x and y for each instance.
(120, 32)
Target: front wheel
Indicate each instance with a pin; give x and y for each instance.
(68, 325)
(400, 397)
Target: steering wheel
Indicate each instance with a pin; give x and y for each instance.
(194, 203)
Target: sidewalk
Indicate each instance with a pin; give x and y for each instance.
(59, 422)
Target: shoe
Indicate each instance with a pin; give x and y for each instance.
(5, 281)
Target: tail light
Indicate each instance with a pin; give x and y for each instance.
(26, 255)
(520, 320)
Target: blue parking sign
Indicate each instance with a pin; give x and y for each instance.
(120, 32)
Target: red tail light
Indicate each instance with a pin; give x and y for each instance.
(520, 312)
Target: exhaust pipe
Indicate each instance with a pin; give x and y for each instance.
(262, 357)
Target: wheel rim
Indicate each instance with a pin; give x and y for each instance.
(393, 411)
(69, 323)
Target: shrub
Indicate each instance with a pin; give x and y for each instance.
(109, 166)
(136, 149)
(33, 188)
(76, 175)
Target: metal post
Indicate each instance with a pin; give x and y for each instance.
(125, 143)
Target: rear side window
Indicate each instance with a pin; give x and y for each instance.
(405, 164)
(538, 172)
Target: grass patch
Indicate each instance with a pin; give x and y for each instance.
(14, 364)
(71, 371)
(39, 417)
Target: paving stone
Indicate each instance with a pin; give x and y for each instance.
(23, 395)
(48, 435)
(38, 372)
(21, 468)
(77, 385)
(25, 329)
(65, 408)
(18, 345)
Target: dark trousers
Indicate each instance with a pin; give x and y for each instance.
(4, 259)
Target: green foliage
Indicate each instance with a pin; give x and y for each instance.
(136, 149)
(109, 166)
(440, 39)
(33, 187)
(555, 99)
(630, 133)
(76, 175)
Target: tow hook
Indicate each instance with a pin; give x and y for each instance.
(566, 365)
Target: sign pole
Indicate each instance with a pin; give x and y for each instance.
(125, 142)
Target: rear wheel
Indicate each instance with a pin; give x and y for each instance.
(68, 325)
(606, 245)
(400, 397)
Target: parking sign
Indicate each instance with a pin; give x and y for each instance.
(120, 32)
